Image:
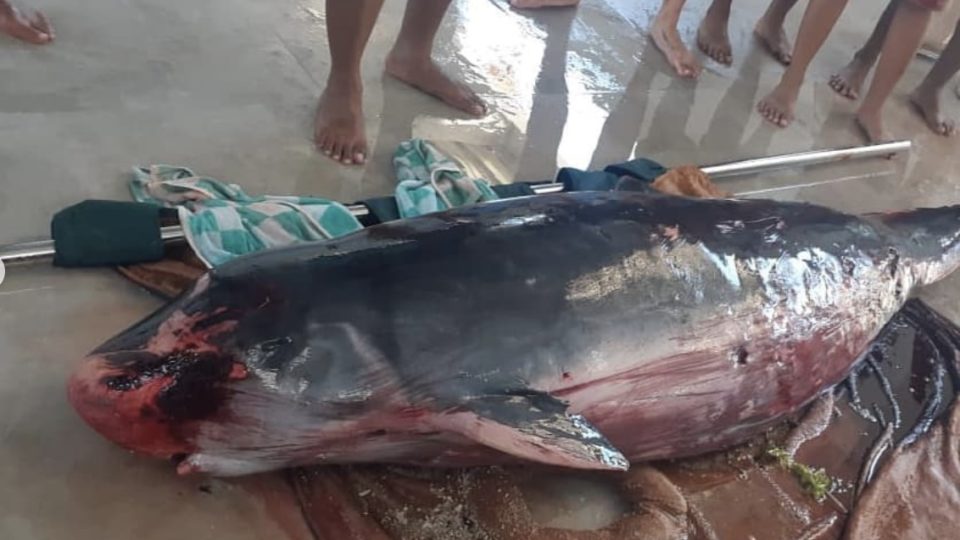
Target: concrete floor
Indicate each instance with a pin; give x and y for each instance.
(228, 88)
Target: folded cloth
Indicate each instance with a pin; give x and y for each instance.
(98, 233)
(222, 222)
(428, 181)
(578, 180)
(384, 209)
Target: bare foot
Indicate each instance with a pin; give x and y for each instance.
(32, 26)
(338, 127)
(426, 76)
(928, 105)
(666, 38)
(712, 37)
(872, 126)
(774, 40)
(534, 4)
(777, 107)
(849, 80)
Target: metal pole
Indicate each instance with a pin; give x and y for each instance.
(803, 159)
(30, 251)
(26, 251)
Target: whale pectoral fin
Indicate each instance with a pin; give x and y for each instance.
(536, 427)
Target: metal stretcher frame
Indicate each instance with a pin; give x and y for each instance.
(44, 249)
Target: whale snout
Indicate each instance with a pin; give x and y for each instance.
(123, 407)
(151, 403)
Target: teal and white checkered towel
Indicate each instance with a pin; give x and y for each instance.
(429, 181)
(222, 222)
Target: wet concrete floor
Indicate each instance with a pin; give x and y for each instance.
(228, 88)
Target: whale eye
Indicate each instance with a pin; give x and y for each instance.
(741, 356)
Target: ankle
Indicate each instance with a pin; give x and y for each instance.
(345, 81)
(868, 111)
(790, 84)
(407, 52)
(666, 20)
(772, 19)
(865, 58)
(719, 10)
(927, 91)
(398, 64)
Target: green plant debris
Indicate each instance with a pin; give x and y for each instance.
(816, 482)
